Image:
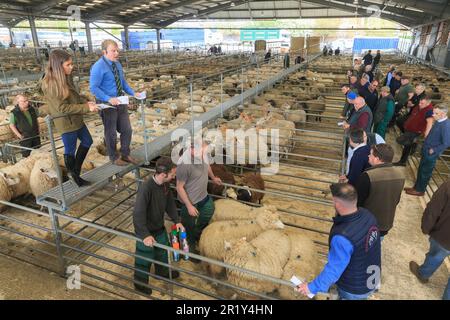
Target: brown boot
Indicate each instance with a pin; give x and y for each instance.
(130, 159)
(413, 192)
(120, 162)
(414, 268)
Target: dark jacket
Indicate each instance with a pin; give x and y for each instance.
(348, 107)
(382, 107)
(395, 85)
(379, 191)
(362, 231)
(358, 163)
(368, 59)
(436, 218)
(23, 126)
(377, 59)
(355, 120)
(152, 202)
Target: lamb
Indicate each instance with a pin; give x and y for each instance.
(220, 171)
(227, 209)
(266, 254)
(211, 242)
(302, 262)
(297, 115)
(43, 177)
(316, 107)
(253, 181)
(20, 173)
(5, 191)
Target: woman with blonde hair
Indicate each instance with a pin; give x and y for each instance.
(67, 107)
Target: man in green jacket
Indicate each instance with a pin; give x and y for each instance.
(24, 123)
(383, 112)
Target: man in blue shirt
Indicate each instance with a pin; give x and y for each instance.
(354, 258)
(107, 83)
(436, 142)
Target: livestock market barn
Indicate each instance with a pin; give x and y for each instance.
(283, 113)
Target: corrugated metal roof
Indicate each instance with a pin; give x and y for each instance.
(161, 13)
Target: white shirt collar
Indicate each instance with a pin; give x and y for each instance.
(360, 146)
(442, 120)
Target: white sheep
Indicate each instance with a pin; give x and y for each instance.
(302, 262)
(296, 116)
(226, 209)
(43, 177)
(5, 190)
(211, 242)
(266, 254)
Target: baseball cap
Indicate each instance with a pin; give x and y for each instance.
(352, 96)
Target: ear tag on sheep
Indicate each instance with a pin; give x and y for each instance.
(51, 174)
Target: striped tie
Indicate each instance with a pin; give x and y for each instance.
(117, 79)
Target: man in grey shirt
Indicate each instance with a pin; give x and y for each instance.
(192, 184)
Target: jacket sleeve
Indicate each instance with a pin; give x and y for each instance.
(435, 208)
(171, 208)
(140, 212)
(341, 250)
(445, 141)
(389, 112)
(363, 188)
(62, 107)
(95, 81)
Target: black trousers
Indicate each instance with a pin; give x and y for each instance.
(117, 120)
(29, 143)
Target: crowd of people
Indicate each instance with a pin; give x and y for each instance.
(365, 198)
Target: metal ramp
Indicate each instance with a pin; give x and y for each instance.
(62, 197)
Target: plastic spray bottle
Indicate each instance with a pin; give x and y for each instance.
(175, 243)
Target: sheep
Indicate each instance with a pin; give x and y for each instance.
(211, 242)
(302, 262)
(227, 209)
(316, 107)
(253, 181)
(220, 171)
(266, 254)
(43, 177)
(5, 191)
(296, 116)
(21, 175)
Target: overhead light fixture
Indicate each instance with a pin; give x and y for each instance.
(232, 4)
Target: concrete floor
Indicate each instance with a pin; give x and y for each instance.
(405, 242)
(22, 281)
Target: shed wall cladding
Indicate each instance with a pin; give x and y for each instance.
(360, 44)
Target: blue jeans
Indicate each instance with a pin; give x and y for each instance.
(433, 259)
(425, 170)
(344, 295)
(446, 295)
(70, 140)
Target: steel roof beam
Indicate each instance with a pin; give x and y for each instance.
(179, 4)
(204, 12)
